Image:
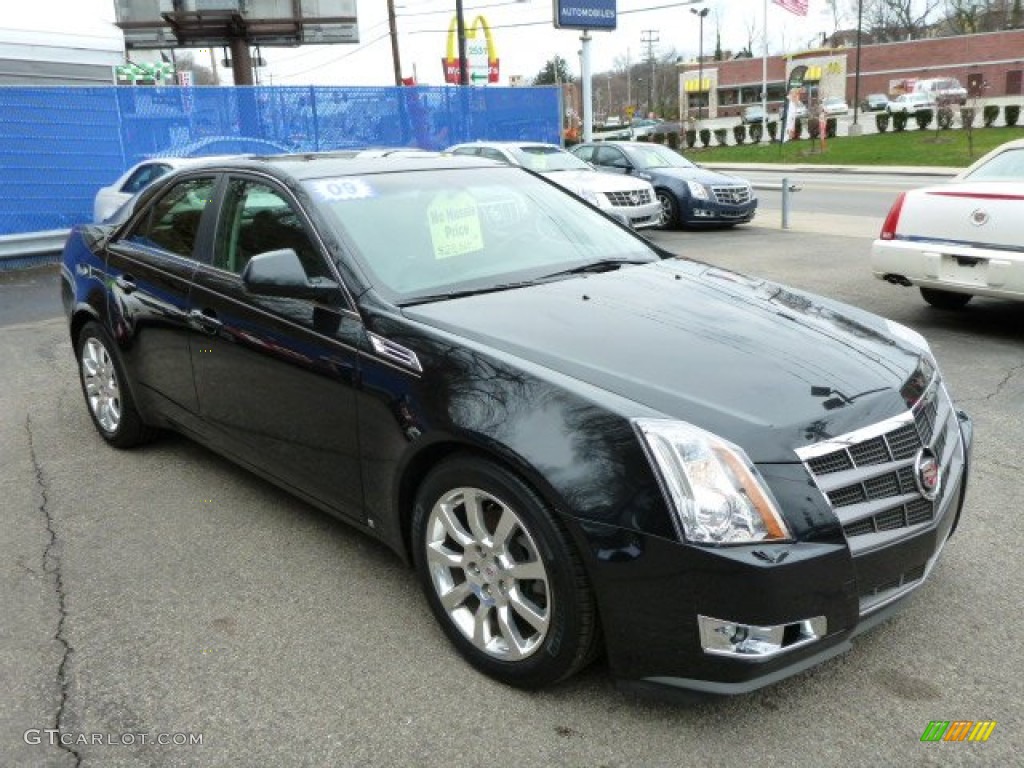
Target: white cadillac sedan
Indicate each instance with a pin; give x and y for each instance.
(961, 239)
(628, 197)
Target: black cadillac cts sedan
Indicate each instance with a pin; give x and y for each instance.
(583, 444)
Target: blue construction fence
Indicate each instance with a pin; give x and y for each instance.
(59, 145)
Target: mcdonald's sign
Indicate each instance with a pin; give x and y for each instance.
(479, 48)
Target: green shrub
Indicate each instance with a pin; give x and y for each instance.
(923, 118)
(882, 122)
(899, 121)
(1012, 114)
(739, 132)
(967, 116)
(945, 118)
(773, 130)
(658, 138)
(722, 136)
(691, 137)
(756, 133)
(814, 128)
(989, 114)
(705, 137)
(831, 126)
(673, 139)
(798, 129)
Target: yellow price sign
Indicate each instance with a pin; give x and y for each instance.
(630, 111)
(454, 225)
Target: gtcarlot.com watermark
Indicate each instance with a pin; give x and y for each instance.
(54, 737)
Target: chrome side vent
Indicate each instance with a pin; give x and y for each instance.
(396, 353)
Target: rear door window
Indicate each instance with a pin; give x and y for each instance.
(172, 222)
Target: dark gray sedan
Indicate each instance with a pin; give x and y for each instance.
(689, 195)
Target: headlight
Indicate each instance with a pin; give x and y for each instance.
(909, 335)
(697, 190)
(591, 197)
(714, 489)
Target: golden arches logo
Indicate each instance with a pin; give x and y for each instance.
(452, 69)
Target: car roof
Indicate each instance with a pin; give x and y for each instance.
(507, 144)
(320, 165)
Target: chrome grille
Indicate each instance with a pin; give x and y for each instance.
(869, 478)
(630, 199)
(731, 195)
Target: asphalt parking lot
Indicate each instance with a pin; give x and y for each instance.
(165, 591)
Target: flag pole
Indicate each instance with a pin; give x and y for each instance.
(764, 75)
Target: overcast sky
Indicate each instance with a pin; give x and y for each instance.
(522, 50)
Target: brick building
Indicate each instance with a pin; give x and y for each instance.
(987, 64)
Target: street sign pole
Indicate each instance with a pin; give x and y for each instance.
(588, 101)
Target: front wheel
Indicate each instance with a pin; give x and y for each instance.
(669, 216)
(945, 299)
(501, 577)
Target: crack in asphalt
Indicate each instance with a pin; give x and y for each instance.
(998, 388)
(52, 566)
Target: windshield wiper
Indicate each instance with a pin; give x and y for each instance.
(463, 294)
(604, 265)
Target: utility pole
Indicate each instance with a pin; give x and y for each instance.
(629, 79)
(460, 23)
(393, 25)
(649, 37)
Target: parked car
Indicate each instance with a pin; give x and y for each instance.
(875, 102)
(962, 239)
(689, 195)
(110, 198)
(943, 90)
(911, 103)
(580, 441)
(643, 127)
(632, 197)
(835, 106)
(753, 114)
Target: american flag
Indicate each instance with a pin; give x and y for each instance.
(799, 7)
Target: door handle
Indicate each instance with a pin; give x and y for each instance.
(206, 320)
(126, 283)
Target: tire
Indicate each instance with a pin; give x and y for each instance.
(945, 299)
(104, 387)
(528, 630)
(669, 209)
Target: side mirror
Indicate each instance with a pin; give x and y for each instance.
(280, 273)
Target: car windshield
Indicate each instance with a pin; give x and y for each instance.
(546, 159)
(1008, 165)
(656, 156)
(427, 233)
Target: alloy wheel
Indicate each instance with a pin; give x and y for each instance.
(486, 570)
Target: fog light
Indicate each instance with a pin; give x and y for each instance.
(748, 641)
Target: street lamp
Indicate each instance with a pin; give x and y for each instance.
(700, 60)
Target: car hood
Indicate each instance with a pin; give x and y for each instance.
(766, 367)
(702, 175)
(595, 181)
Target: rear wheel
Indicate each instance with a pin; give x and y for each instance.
(669, 216)
(501, 577)
(103, 383)
(945, 299)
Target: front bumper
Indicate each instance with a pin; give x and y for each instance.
(651, 592)
(641, 216)
(711, 212)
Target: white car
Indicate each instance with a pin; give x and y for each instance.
(835, 106)
(628, 197)
(911, 103)
(961, 239)
(110, 199)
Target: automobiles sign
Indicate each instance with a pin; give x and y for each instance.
(585, 14)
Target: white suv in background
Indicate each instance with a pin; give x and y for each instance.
(630, 198)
